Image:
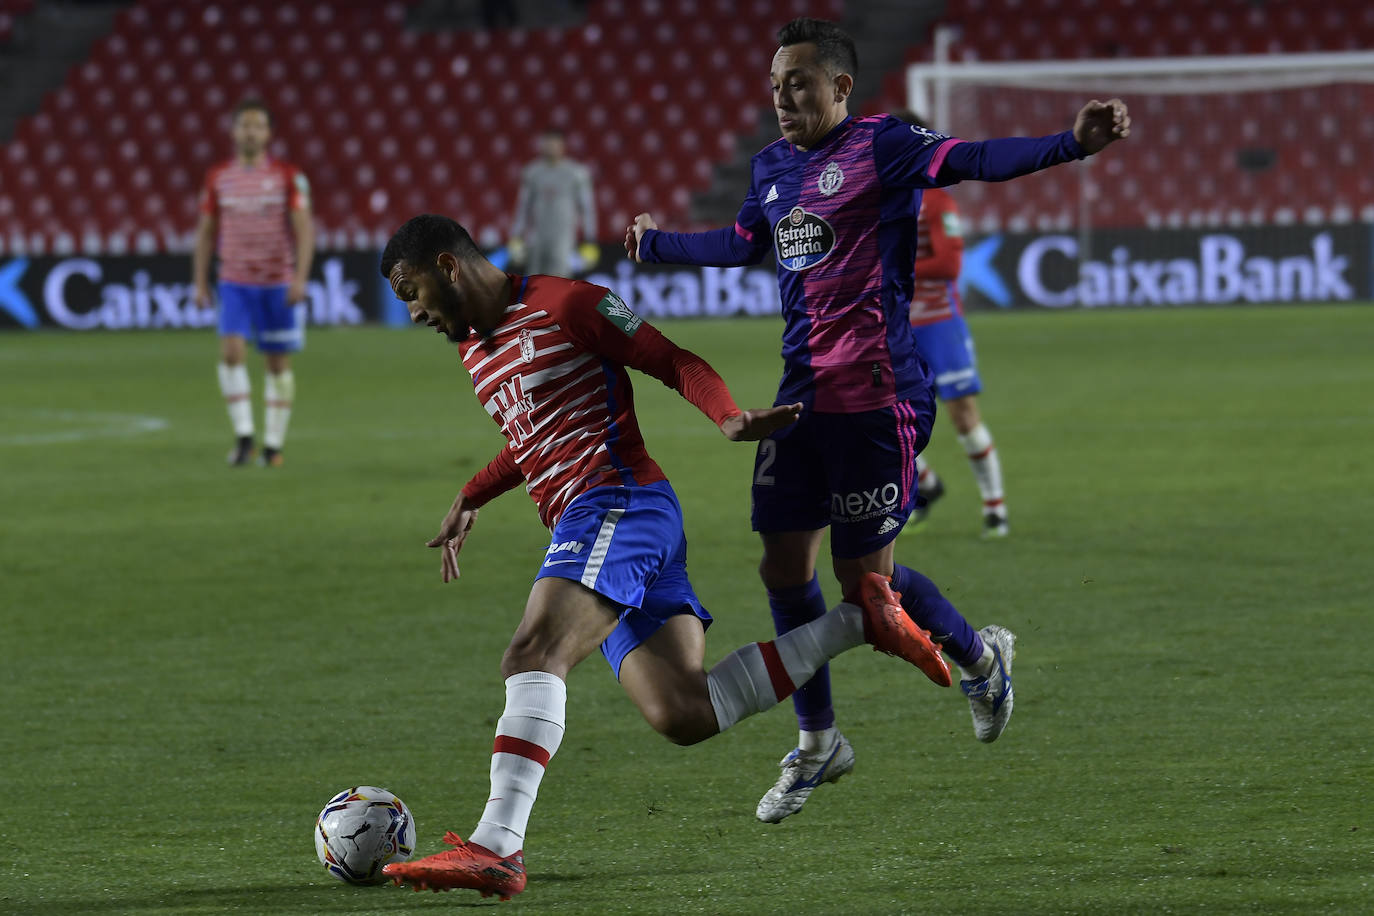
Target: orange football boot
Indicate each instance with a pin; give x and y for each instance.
(466, 865)
(888, 628)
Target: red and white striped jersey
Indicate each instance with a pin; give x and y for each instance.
(939, 257)
(252, 205)
(553, 378)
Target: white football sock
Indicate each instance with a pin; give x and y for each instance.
(237, 391)
(981, 668)
(926, 478)
(758, 676)
(987, 468)
(279, 391)
(527, 735)
(815, 742)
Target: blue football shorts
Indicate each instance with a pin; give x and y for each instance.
(855, 473)
(627, 545)
(948, 347)
(261, 314)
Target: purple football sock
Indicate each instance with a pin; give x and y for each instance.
(792, 607)
(932, 611)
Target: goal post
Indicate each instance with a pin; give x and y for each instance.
(1247, 178)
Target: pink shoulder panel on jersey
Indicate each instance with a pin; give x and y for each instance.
(933, 170)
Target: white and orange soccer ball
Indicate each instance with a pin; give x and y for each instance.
(361, 830)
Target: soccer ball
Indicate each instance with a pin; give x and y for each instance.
(362, 829)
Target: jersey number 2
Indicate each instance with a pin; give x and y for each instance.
(768, 453)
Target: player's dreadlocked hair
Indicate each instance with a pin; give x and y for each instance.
(423, 238)
(834, 48)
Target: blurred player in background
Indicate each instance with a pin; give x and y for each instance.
(258, 209)
(943, 338)
(834, 199)
(547, 358)
(555, 200)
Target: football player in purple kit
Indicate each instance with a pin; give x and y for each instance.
(833, 198)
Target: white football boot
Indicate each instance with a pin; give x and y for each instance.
(990, 697)
(801, 773)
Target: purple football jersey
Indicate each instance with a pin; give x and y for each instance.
(841, 220)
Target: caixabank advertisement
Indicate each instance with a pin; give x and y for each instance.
(148, 292)
(1125, 268)
(1176, 267)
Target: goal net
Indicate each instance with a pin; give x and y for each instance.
(1246, 178)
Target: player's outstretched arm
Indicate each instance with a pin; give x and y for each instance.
(1101, 123)
(924, 163)
(753, 425)
(634, 232)
(728, 246)
(453, 531)
(500, 475)
(642, 346)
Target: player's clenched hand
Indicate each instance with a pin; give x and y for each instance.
(753, 425)
(452, 533)
(1100, 123)
(643, 222)
(295, 293)
(202, 296)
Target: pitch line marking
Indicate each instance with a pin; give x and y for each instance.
(89, 424)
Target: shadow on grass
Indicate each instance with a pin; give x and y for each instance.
(280, 898)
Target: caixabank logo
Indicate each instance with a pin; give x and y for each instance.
(13, 303)
(1134, 268)
(152, 292)
(803, 239)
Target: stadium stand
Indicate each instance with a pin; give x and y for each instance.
(385, 120)
(388, 120)
(11, 12)
(1204, 159)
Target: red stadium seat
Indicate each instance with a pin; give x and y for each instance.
(385, 119)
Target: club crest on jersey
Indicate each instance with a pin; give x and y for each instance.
(803, 239)
(831, 179)
(526, 346)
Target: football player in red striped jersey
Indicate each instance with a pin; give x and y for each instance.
(943, 338)
(255, 212)
(548, 360)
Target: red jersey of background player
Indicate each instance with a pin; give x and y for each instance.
(252, 206)
(939, 256)
(553, 378)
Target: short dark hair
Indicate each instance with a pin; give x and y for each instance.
(252, 103)
(834, 47)
(422, 238)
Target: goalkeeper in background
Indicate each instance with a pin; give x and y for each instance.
(555, 199)
(943, 338)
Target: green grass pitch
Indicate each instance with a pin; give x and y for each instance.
(195, 658)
